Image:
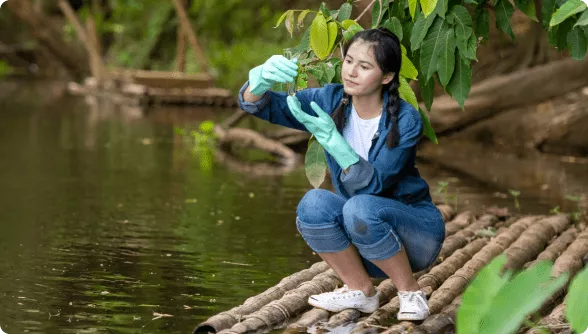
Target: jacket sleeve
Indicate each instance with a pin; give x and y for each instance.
(386, 170)
(272, 107)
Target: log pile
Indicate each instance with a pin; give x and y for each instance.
(525, 240)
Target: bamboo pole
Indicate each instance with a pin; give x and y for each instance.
(461, 221)
(447, 211)
(229, 318)
(187, 28)
(463, 237)
(291, 304)
(181, 46)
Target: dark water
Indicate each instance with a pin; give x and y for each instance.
(110, 223)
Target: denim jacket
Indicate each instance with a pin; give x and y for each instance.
(389, 172)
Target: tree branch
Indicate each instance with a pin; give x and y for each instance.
(365, 10)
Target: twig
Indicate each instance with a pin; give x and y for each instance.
(365, 10)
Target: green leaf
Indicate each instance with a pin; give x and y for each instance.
(563, 30)
(428, 130)
(471, 1)
(406, 93)
(421, 27)
(527, 7)
(547, 10)
(504, 11)
(463, 23)
(577, 43)
(441, 8)
(315, 163)
(333, 31)
(583, 20)
(290, 23)
(412, 5)
(482, 27)
(394, 26)
(345, 12)
(428, 6)
(283, 17)
(319, 36)
(351, 31)
(477, 298)
(378, 12)
(446, 62)
(523, 295)
(325, 11)
(569, 8)
(461, 82)
(469, 49)
(432, 47)
(408, 70)
(348, 23)
(301, 18)
(577, 302)
(427, 91)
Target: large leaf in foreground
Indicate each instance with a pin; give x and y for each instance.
(315, 163)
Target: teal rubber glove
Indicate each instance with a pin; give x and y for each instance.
(325, 132)
(276, 69)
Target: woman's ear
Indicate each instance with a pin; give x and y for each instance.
(388, 77)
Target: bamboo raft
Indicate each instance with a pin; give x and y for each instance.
(146, 88)
(466, 250)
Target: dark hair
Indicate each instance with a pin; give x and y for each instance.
(389, 58)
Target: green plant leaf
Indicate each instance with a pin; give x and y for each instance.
(577, 302)
(527, 7)
(428, 130)
(583, 20)
(333, 31)
(290, 23)
(446, 61)
(319, 36)
(315, 163)
(463, 23)
(301, 18)
(283, 17)
(428, 6)
(432, 47)
(577, 43)
(478, 296)
(325, 11)
(419, 32)
(569, 8)
(469, 49)
(461, 82)
(412, 5)
(394, 26)
(408, 70)
(427, 90)
(482, 27)
(523, 295)
(345, 12)
(442, 7)
(378, 12)
(504, 11)
(351, 31)
(406, 93)
(547, 9)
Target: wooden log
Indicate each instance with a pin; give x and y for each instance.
(165, 79)
(48, 36)
(187, 28)
(502, 92)
(227, 319)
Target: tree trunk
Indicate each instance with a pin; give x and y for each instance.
(43, 30)
(187, 28)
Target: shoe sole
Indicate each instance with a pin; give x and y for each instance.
(411, 318)
(338, 309)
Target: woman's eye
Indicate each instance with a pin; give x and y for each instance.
(348, 61)
(363, 67)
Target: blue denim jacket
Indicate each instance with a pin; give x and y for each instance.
(389, 172)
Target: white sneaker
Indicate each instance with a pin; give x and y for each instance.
(343, 298)
(413, 305)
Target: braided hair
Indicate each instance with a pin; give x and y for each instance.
(389, 58)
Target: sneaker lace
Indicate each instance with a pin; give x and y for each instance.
(344, 293)
(410, 299)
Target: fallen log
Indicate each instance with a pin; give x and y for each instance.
(502, 92)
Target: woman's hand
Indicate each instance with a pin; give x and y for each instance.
(276, 69)
(325, 132)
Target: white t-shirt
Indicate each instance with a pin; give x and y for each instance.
(359, 132)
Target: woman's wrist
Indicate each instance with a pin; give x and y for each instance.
(250, 97)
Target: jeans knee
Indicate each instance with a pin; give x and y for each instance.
(361, 221)
(319, 206)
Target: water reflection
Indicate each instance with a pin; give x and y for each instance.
(111, 224)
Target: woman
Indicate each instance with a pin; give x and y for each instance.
(381, 221)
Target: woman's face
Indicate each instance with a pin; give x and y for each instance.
(360, 72)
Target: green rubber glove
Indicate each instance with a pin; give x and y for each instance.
(325, 132)
(276, 69)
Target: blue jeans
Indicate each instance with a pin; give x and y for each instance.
(377, 226)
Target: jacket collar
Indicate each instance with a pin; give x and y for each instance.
(383, 120)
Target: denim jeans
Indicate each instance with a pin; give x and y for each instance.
(377, 226)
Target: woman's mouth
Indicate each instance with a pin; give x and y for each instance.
(350, 83)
